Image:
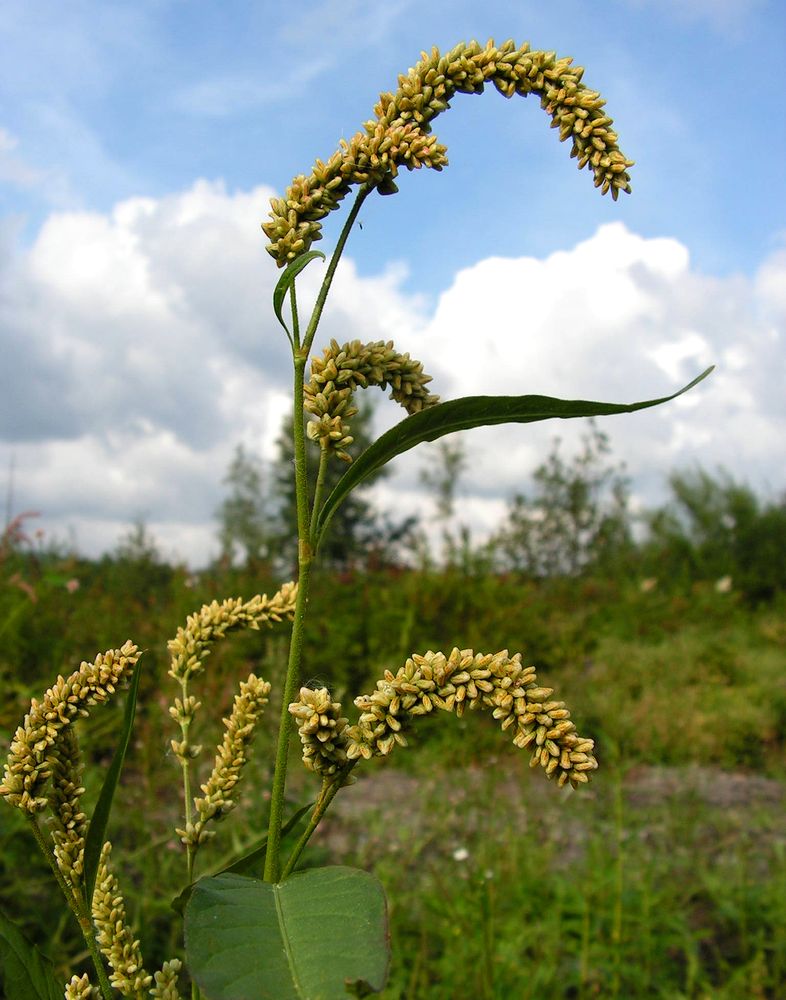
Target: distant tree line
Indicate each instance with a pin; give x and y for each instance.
(576, 520)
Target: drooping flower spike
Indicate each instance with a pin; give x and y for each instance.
(400, 134)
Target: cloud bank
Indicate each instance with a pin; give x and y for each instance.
(139, 349)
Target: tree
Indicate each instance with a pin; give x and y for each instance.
(244, 525)
(578, 515)
(714, 526)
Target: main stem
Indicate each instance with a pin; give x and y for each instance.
(272, 855)
(301, 352)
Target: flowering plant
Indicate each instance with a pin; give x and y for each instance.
(260, 928)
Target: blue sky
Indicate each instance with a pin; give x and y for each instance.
(121, 124)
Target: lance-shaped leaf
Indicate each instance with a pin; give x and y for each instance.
(94, 840)
(25, 974)
(464, 414)
(307, 938)
(291, 271)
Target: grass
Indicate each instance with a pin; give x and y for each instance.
(666, 878)
(659, 883)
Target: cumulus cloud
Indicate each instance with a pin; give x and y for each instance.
(139, 348)
(617, 318)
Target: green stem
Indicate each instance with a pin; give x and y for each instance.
(324, 458)
(185, 764)
(319, 305)
(295, 318)
(78, 907)
(272, 860)
(328, 793)
(301, 351)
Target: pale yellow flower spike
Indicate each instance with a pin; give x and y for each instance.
(322, 731)
(31, 759)
(478, 680)
(220, 790)
(400, 135)
(166, 981)
(192, 645)
(65, 795)
(114, 936)
(79, 988)
(341, 370)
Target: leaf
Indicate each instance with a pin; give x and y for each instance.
(94, 840)
(464, 414)
(25, 974)
(303, 939)
(291, 271)
(255, 858)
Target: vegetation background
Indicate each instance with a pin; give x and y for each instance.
(665, 631)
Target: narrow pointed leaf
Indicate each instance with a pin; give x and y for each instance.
(306, 938)
(255, 858)
(96, 831)
(25, 974)
(291, 271)
(464, 414)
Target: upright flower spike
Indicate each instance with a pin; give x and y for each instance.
(220, 790)
(115, 938)
(341, 370)
(480, 680)
(166, 981)
(30, 761)
(400, 134)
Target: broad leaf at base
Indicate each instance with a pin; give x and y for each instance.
(302, 939)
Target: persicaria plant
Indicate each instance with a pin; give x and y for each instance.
(261, 927)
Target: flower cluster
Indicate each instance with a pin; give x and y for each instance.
(346, 367)
(119, 947)
(478, 680)
(70, 823)
(400, 134)
(79, 988)
(191, 646)
(30, 761)
(322, 731)
(166, 981)
(231, 756)
(114, 936)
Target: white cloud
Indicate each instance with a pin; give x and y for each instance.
(143, 348)
(617, 318)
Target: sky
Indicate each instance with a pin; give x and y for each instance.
(140, 143)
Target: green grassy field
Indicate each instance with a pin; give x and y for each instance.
(665, 878)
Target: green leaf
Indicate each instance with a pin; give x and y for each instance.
(255, 858)
(464, 414)
(307, 938)
(291, 271)
(94, 840)
(25, 974)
